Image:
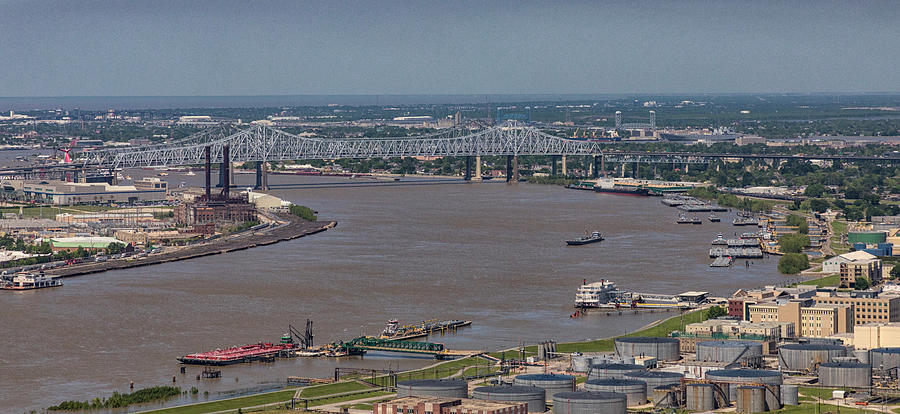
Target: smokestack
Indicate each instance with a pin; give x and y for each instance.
(226, 163)
(206, 151)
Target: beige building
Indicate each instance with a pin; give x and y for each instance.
(775, 330)
(869, 269)
(868, 307)
(810, 320)
(876, 335)
(833, 264)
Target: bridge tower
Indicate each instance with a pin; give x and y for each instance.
(477, 168)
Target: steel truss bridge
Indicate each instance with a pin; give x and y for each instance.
(262, 143)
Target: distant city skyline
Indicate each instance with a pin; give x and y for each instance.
(235, 48)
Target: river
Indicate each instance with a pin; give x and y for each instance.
(490, 252)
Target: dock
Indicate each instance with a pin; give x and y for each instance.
(722, 261)
(736, 252)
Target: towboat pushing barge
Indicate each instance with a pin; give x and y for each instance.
(605, 294)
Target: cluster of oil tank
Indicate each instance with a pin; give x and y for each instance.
(835, 366)
(616, 383)
(533, 389)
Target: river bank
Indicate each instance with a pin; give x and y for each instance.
(291, 227)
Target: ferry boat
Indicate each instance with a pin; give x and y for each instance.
(592, 238)
(605, 294)
(720, 239)
(696, 220)
(713, 218)
(31, 281)
(683, 219)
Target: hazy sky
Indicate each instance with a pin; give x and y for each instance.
(191, 47)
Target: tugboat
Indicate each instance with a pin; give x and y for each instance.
(30, 281)
(593, 238)
(713, 218)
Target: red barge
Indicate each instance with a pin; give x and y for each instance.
(239, 354)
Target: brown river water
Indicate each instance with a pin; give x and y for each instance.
(415, 250)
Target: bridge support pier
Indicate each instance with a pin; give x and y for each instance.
(553, 170)
(590, 168)
(596, 171)
(262, 176)
(686, 168)
(477, 176)
(515, 168)
(634, 170)
(565, 171)
(468, 174)
(223, 169)
(509, 168)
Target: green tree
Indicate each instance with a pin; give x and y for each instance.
(818, 205)
(793, 243)
(715, 312)
(303, 212)
(895, 272)
(861, 283)
(814, 190)
(793, 263)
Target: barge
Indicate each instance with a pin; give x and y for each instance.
(395, 331)
(262, 351)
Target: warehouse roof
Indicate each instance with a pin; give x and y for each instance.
(89, 242)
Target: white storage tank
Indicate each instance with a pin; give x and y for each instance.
(664, 349)
(551, 383)
(700, 397)
(806, 357)
(589, 403)
(728, 351)
(613, 370)
(845, 374)
(884, 359)
(533, 396)
(729, 379)
(635, 391)
(656, 378)
(433, 388)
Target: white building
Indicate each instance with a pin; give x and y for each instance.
(833, 264)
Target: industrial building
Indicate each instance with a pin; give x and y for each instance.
(90, 243)
(438, 405)
(67, 193)
(810, 319)
(216, 208)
